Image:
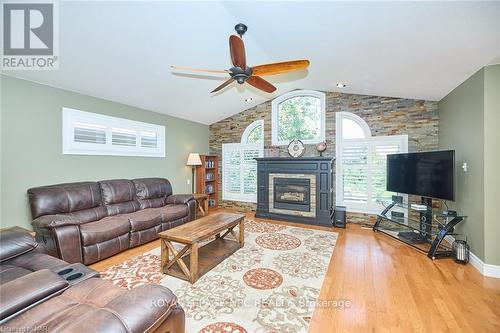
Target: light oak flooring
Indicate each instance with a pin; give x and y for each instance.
(391, 288)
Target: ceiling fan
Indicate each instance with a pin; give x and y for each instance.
(242, 73)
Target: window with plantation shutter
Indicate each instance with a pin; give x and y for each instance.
(361, 163)
(239, 171)
(86, 133)
(89, 133)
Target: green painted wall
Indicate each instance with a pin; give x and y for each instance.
(461, 121)
(31, 146)
(492, 163)
(469, 119)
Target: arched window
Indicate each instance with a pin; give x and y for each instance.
(361, 163)
(299, 115)
(350, 126)
(239, 167)
(254, 133)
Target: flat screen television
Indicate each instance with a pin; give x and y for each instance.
(428, 174)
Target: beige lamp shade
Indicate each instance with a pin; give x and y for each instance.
(194, 159)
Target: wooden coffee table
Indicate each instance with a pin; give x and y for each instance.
(200, 259)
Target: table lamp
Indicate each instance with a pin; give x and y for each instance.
(193, 161)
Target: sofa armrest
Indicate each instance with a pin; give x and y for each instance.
(26, 291)
(52, 221)
(14, 242)
(144, 308)
(179, 199)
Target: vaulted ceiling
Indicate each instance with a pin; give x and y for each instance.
(122, 51)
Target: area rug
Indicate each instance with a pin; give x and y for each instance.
(270, 285)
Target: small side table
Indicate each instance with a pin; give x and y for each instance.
(201, 203)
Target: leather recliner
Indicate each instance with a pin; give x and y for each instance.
(45, 294)
(89, 221)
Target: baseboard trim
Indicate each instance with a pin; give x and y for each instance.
(485, 269)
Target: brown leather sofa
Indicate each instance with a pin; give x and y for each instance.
(40, 293)
(90, 221)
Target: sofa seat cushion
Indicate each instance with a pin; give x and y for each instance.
(95, 305)
(11, 272)
(108, 228)
(172, 212)
(144, 219)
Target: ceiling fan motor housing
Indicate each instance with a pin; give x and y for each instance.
(240, 75)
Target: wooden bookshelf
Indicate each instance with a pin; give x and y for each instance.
(207, 179)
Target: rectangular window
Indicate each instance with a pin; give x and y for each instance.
(86, 133)
(361, 177)
(239, 171)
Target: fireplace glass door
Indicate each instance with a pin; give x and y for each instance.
(292, 194)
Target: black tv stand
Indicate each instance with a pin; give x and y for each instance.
(422, 227)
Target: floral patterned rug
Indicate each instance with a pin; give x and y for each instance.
(269, 285)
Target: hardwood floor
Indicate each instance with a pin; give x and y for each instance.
(391, 288)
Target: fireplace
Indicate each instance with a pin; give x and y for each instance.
(295, 189)
(292, 193)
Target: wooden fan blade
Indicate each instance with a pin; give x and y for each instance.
(261, 84)
(222, 71)
(226, 83)
(237, 50)
(280, 67)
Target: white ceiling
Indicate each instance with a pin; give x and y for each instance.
(122, 51)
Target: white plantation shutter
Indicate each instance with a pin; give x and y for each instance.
(361, 163)
(239, 171)
(123, 137)
(379, 151)
(363, 171)
(149, 139)
(87, 133)
(354, 173)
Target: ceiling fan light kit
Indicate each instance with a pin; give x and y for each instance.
(242, 73)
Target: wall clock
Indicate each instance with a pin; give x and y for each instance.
(296, 148)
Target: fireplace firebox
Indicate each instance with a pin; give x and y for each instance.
(292, 194)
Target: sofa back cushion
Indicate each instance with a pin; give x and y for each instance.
(81, 200)
(152, 192)
(118, 196)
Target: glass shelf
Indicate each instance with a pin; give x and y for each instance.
(417, 208)
(407, 223)
(424, 244)
(425, 234)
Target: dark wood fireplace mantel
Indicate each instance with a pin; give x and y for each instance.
(314, 171)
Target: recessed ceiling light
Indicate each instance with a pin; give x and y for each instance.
(249, 99)
(341, 85)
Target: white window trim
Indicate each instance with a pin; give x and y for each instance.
(70, 116)
(370, 207)
(232, 196)
(250, 128)
(275, 103)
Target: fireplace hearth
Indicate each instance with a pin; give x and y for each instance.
(295, 189)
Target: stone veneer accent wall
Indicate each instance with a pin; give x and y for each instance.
(385, 116)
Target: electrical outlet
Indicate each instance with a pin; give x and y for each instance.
(188, 181)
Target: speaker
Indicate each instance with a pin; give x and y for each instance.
(339, 217)
(398, 216)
